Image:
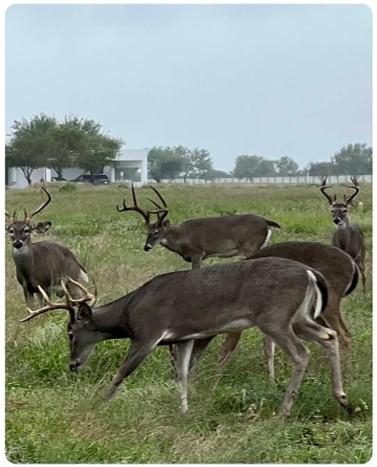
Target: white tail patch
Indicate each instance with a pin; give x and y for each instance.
(318, 303)
(268, 236)
(84, 276)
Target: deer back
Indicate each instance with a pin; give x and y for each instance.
(215, 234)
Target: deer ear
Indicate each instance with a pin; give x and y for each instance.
(84, 313)
(41, 227)
(165, 223)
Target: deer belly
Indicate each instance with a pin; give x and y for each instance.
(233, 326)
(223, 254)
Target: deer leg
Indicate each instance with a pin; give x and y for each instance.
(196, 262)
(136, 355)
(269, 352)
(199, 347)
(183, 352)
(328, 339)
(299, 355)
(28, 297)
(231, 341)
(333, 319)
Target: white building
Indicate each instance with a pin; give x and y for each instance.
(131, 165)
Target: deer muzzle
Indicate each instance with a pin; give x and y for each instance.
(18, 244)
(74, 366)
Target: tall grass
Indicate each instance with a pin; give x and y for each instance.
(55, 417)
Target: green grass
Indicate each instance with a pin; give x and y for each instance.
(53, 416)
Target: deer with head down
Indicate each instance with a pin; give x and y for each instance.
(279, 296)
(43, 263)
(197, 239)
(348, 237)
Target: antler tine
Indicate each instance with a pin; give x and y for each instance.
(354, 187)
(325, 187)
(159, 195)
(41, 207)
(50, 306)
(12, 217)
(88, 296)
(135, 207)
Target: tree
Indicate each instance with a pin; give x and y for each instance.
(164, 163)
(246, 166)
(321, 169)
(253, 166)
(29, 144)
(96, 151)
(201, 163)
(353, 159)
(65, 141)
(286, 166)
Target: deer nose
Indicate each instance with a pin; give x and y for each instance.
(74, 366)
(147, 247)
(336, 220)
(18, 244)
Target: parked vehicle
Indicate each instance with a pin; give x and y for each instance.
(99, 179)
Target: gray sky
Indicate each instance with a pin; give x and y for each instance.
(254, 79)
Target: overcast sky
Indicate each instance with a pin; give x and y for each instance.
(252, 79)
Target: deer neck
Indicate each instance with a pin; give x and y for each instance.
(111, 320)
(23, 258)
(172, 238)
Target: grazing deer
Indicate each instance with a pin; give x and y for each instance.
(198, 239)
(347, 237)
(341, 274)
(42, 263)
(279, 296)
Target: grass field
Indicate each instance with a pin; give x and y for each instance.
(53, 416)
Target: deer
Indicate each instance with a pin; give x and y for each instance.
(197, 239)
(348, 237)
(341, 274)
(43, 263)
(279, 296)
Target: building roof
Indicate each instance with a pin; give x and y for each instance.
(133, 154)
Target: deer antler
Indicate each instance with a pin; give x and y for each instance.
(68, 304)
(49, 306)
(28, 217)
(162, 211)
(325, 187)
(88, 297)
(13, 217)
(355, 187)
(135, 207)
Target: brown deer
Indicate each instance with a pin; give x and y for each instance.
(341, 274)
(347, 237)
(279, 296)
(42, 263)
(197, 239)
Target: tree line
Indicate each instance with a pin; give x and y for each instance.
(44, 141)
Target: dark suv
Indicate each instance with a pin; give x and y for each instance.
(99, 179)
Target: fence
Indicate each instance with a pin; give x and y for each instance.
(304, 179)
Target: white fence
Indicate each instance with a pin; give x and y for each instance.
(304, 179)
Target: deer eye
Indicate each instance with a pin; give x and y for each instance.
(11, 231)
(26, 230)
